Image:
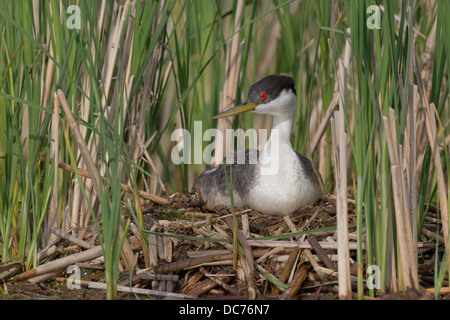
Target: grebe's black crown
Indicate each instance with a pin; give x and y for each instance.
(271, 86)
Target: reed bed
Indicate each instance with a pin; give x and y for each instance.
(92, 101)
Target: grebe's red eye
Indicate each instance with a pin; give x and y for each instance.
(263, 96)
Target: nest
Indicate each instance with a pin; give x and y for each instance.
(186, 250)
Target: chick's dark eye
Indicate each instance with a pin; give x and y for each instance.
(263, 96)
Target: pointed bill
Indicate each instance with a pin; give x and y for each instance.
(237, 110)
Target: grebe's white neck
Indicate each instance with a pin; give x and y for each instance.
(283, 110)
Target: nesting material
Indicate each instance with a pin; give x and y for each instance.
(189, 253)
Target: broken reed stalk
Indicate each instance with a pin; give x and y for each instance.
(299, 244)
(408, 262)
(325, 121)
(46, 276)
(10, 269)
(188, 263)
(248, 262)
(244, 244)
(91, 168)
(340, 158)
(230, 86)
(288, 265)
(152, 248)
(218, 257)
(321, 254)
(217, 279)
(196, 288)
(442, 290)
(52, 218)
(61, 263)
(339, 138)
(71, 238)
(296, 283)
(126, 254)
(342, 224)
(103, 286)
(314, 263)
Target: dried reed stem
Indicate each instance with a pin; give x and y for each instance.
(296, 283)
(339, 138)
(91, 168)
(62, 263)
(52, 218)
(298, 244)
(103, 286)
(228, 95)
(406, 241)
(71, 238)
(325, 121)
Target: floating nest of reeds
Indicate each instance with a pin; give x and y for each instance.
(187, 251)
